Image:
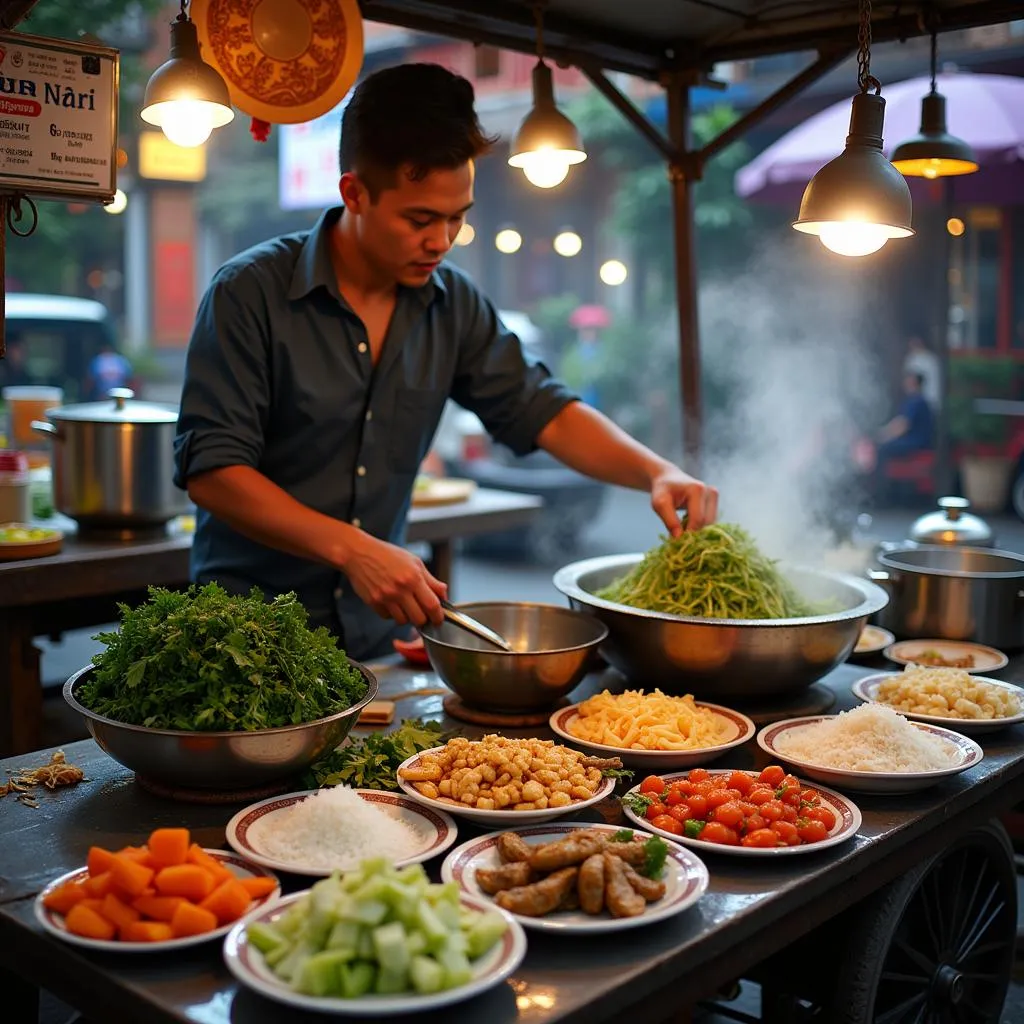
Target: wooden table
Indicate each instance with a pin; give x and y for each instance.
(82, 585)
(751, 910)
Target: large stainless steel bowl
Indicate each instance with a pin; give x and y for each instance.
(218, 760)
(713, 658)
(553, 650)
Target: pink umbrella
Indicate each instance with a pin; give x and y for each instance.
(589, 318)
(986, 111)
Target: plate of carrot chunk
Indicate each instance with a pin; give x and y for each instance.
(167, 893)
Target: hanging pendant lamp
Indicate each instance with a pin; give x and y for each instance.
(547, 143)
(933, 152)
(185, 97)
(858, 201)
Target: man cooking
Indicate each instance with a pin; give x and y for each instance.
(320, 363)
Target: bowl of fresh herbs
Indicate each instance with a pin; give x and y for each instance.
(204, 690)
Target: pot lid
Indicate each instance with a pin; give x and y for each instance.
(120, 407)
(951, 524)
(284, 61)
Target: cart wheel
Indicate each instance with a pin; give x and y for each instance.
(937, 945)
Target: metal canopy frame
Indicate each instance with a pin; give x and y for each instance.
(675, 43)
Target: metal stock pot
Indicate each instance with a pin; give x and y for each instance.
(113, 463)
(954, 593)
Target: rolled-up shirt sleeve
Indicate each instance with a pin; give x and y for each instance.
(226, 394)
(514, 396)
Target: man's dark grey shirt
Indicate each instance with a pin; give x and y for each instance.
(279, 377)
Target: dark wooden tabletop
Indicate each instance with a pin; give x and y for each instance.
(90, 567)
(751, 909)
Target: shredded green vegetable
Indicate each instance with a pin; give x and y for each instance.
(713, 573)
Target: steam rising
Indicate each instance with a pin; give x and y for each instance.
(792, 344)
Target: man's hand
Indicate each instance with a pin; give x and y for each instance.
(394, 583)
(672, 490)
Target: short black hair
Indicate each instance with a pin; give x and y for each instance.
(419, 116)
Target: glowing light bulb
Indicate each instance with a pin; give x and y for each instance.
(567, 243)
(508, 241)
(466, 234)
(613, 272)
(853, 238)
(545, 168)
(118, 204)
(187, 123)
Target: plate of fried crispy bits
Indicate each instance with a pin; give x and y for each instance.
(565, 878)
(499, 779)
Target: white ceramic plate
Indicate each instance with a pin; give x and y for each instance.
(873, 639)
(498, 819)
(434, 830)
(848, 820)
(740, 729)
(246, 963)
(54, 922)
(867, 690)
(986, 659)
(968, 754)
(686, 879)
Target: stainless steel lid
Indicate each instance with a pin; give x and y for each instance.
(120, 408)
(951, 524)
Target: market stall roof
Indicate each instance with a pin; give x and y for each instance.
(652, 37)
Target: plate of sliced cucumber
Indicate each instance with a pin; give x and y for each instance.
(375, 942)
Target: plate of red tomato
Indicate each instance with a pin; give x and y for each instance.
(769, 813)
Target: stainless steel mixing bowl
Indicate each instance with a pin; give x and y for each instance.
(719, 658)
(218, 760)
(553, 650)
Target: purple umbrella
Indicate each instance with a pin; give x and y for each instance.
(986, 111)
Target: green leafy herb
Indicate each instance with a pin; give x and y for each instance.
(655, 852)
(624, 835)
(616, 773)
(693, 827)
(205, 660)
(638, 802)
(371, 763)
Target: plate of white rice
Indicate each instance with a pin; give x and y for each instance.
(871, 749)
(335, 829)
(945, 696)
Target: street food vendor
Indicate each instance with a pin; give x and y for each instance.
(320, 363)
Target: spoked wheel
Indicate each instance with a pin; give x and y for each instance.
(936, 946)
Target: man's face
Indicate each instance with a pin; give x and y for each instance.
(408, 229)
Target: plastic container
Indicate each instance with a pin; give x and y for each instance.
(15, 488)
(26, 403)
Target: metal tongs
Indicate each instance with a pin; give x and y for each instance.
(468, 623)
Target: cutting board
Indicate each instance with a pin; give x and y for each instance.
(441, 492)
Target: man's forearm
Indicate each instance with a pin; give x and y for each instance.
(590, 443)
(247, 501)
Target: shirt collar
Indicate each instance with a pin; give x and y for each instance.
(314, 269)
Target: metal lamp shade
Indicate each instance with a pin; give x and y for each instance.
(933, 152)
(186, 76)
(859, 185)
(545, 127)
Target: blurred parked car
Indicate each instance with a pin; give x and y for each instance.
(571, 501)
(52, 340)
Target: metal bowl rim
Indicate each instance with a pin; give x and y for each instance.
(888, 559)
(600, 628)
(874, 597)
(234, 734)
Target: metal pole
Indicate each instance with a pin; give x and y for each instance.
(683, 174)
(4, 206)
(944, 470)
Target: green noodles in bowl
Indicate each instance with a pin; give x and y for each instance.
(714, 573)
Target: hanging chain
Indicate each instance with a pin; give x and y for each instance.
(538, 18)
(864, 77)
(183, 14)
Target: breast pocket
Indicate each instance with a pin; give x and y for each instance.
(415, 418)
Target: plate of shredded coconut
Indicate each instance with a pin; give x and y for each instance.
(871, 749)
(337, 828)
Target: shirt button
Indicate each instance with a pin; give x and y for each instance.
(369, 415)
(357, 523)
(362, 346)
(361, 470)
(338, 593)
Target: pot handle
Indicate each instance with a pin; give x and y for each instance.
(43, 427)
(881, 577)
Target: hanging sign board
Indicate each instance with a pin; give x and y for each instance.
(58, 118)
